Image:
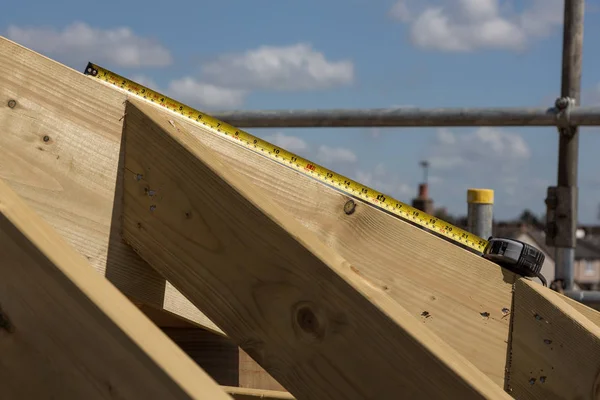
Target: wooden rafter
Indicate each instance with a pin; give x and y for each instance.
(71, 180)
(59, 147)
(554, 348)
(300, 310)
(67, 333)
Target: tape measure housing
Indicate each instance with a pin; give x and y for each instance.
(282, 156)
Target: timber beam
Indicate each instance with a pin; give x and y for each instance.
(297, 307)
(240, 393)
(554, 348)
(67, 333)
(61, 153)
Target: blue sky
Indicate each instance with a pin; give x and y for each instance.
(348, 54)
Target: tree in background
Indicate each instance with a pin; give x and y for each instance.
(528, 217)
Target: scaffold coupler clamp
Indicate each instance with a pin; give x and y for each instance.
(563, 106)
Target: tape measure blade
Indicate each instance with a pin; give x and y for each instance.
(306, 167)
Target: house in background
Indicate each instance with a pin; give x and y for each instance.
(587, 252)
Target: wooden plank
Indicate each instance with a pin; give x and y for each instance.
(215, 354)
(298, 308)
(67, 333)
(252, 375)
(59, 150)
(455, 290)
(461, 295)
(554, 349)
(239, 393)
(592, 314)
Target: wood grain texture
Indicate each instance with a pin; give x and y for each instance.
(452, 287)
(217, 355)
(59, 150)
(298, 308)
(592, 314)
(252, 375)
(255, 394)
(67, 333)
(462, 295)
(555, 350)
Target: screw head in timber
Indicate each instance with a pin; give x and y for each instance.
(12, 103)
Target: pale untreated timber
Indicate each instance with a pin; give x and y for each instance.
(70, 180)
(300, 310)
(554, 349)
(588, 312)
(67, 333)
(239, 393)
(463, 298)
(59, 150)
(252, 375)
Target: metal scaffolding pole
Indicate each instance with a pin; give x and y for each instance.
(411, 117)
(562, 199)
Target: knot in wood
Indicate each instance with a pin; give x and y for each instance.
(5, 322)
(349, 207)
(308, 323)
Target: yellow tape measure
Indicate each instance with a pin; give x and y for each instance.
(294, 161)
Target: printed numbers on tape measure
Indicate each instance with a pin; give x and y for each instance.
(305, 166)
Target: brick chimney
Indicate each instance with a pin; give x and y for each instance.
(422, 201)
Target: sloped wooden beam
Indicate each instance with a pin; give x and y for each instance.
(297, 307)
(554, 349)
(463, 298)
(71, 181)
(59, 150)
(588, 312)
(67, 333)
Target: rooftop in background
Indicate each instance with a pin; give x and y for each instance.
(588, 246)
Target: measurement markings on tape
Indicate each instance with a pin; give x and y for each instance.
(294, 161)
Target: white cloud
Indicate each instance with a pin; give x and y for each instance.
(294, 67)
(401, 11)
(288, 142)
(145, 81)
(205, 94)
(79, 43)
(380, 179)
(467, 25)
(330, 155)
(483, 146)
(486, 156)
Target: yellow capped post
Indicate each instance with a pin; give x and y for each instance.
(480, 212)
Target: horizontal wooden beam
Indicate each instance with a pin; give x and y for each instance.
(67, 333)
(298, 308)
(241, 393)
(554, 348)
